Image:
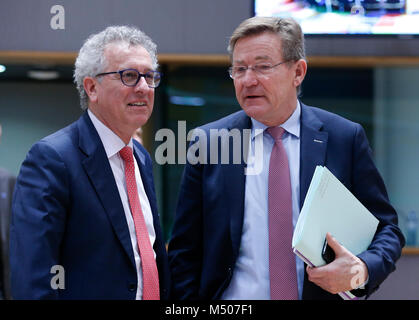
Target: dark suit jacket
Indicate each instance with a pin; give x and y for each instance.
(208, 225)
(67, 211)
(7, 183)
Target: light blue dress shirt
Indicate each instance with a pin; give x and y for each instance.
(250, 279)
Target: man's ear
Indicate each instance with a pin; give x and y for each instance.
(90, 86)
(300, 72)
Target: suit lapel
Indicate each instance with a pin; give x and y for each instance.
(140, 158)
(147, 179)
(313, 148)
(98, 169)
(234, 195)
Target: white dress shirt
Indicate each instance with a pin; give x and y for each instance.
(113, 144)
(250, 279)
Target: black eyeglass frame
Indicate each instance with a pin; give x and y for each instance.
(138, 78)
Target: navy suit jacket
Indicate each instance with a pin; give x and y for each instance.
(67, 211)
(208, 225)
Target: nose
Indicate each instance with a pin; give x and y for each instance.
(142, 85)
(249, 78)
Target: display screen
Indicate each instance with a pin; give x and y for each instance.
(362, 17)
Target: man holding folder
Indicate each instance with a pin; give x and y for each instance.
(232, 233)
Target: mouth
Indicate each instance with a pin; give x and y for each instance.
(251, 97)
(137, 104)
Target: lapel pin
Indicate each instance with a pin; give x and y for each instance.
(319, 141)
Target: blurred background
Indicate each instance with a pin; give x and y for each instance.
(368, 78)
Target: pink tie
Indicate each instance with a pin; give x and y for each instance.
(148, 263)
(282, 267)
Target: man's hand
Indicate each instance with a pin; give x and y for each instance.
(346, 272)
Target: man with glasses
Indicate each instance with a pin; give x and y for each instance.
(85, 223)
(233, 229)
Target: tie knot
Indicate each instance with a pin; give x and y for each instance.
(276, 132)
(126, 154)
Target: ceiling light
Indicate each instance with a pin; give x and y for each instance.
(43, 74)
(187, 101)
(2, 68)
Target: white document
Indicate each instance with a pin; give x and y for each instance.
(330, 207)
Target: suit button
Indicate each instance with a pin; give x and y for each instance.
(132, 287)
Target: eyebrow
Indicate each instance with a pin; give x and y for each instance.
(144, 69)
(258, 58)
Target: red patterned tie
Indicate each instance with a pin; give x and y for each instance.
(148, 263)
(282, 267)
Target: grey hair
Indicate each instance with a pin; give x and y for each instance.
(288, 30)
(91, 61)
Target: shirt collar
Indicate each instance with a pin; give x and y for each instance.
(292, 125)
(111, 142)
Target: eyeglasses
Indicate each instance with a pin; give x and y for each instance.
(237, 72)
(130, 77)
